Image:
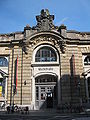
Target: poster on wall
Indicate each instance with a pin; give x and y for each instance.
(0, 91)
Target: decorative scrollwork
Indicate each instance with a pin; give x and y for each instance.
(60, 43)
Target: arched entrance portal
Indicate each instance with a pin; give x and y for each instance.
(46, 91)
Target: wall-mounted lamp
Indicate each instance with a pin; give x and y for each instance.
(25, 82)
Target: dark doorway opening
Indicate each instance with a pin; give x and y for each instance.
(46, 91)
(49, 100)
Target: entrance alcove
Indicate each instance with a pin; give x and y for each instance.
(45, 91)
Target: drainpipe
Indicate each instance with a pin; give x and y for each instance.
(11, 76)
(21, 75)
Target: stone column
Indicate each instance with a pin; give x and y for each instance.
(33, 92)
(6, 89)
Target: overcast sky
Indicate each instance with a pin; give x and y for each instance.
(16, 14)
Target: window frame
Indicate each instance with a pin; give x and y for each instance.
(50, 63)
(3, 61)
(85, 61)
(45, 54)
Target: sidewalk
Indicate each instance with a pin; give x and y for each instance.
(44, 113)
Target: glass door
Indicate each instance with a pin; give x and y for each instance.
(44, 96)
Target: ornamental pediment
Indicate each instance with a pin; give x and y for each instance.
(46, 37)
(44, 21)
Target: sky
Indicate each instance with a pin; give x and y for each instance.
(16, 14)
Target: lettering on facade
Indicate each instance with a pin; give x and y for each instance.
(45, 69)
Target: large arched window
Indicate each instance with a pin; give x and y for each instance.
(3, 62)
(87, 60)
(45, 54)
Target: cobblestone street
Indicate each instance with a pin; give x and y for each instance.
(41, 115)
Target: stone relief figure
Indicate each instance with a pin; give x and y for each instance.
(44, 21)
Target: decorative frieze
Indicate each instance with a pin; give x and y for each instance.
(43, 40)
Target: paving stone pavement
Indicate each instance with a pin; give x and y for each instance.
(43, 115)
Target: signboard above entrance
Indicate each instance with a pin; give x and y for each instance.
(45, 69)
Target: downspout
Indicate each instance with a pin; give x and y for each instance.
(11, 76)
(21, 75)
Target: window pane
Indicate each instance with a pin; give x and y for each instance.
(3, 62)
(42, 96)
(87, 60)
(45, 54)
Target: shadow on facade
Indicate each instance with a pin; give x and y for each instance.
(15, 77)
(72, 89)
(50, 101)
(72, 94)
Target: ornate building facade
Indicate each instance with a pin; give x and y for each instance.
(45, 66)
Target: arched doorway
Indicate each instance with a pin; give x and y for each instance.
(46, 77)
(45, 91)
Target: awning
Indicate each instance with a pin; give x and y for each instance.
(86, 72)
(3, 74)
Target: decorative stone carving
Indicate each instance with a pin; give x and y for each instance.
(62, 45)
(44, 21)
(59, 42)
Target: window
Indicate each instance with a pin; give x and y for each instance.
(45, 54)
(45, 79)
(2, 87)
(87, 60)
(3, 62)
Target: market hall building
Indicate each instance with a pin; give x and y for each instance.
(45, 65)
